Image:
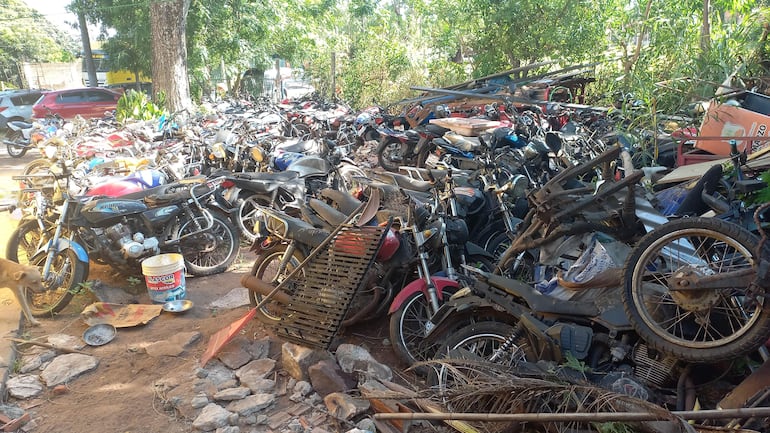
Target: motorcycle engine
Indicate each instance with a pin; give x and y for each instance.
(131, 245)
(655, 371)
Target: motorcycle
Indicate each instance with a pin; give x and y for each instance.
(405, 147)
(23, 136)
(121, 232)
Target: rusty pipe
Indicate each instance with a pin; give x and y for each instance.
(264, 288)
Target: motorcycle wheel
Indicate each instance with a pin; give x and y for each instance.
(26, 240)
(37, 166)
(695, 325)
(408, 327)
(498, 244)
(212, 251)
(347, 181)
(266, 269)
(15, 151)
(390, 155)
(247, 215)
(65, 276)
(475, 342)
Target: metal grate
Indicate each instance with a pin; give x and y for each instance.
(322, 296)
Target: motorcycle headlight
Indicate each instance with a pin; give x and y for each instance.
(257, 154)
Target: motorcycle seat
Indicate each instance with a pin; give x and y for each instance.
(345, 202)
(436, 130)
(466, 144)
(280, 176)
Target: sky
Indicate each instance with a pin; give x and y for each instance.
(55, 12)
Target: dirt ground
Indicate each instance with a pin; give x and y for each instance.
(119, 395)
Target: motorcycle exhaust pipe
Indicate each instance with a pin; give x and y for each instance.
(264, 288)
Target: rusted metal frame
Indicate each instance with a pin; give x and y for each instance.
(698, 415)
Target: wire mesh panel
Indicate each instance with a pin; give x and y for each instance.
(321, 297)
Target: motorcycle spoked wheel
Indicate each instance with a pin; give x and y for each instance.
(474, 343)
(390, 155)
(38, 166)
(408, 327)
(247, 215)
(15, 151)
(266, 268)
(695, 325)
(26, 240)
(212, 251)
(65, 275)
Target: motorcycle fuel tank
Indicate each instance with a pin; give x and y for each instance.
(106, 212)
(310, 166)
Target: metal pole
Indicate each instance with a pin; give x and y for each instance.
(663, 415)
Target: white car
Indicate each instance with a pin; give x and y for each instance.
(17, 105)
(294, 89)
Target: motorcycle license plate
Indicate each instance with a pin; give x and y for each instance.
(432, 160)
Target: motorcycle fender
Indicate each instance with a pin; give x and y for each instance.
(453, 309)
(475, 250)
(64, 244)
(419, 285)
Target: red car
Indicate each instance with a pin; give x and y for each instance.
(89, 102)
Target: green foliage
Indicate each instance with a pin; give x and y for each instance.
(82, 288)
(25, 37)
(138, 106)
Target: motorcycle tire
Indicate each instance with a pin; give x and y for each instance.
(247, 215)
(266, 268)
(26, 240)
(498, 244)
(210, 252)
(347, 177)
(67, 273)
(478, 341)
(385, 155)
(15, 151)
(408, 326)
(695, 325)
(38, 166)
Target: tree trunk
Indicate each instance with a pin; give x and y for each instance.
(705, 30)
(168, 23)
(88, 57)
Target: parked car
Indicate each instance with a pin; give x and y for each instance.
(88, 102)
(17, 105)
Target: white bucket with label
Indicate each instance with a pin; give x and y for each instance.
(164, 277)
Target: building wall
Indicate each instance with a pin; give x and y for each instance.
(54, 76)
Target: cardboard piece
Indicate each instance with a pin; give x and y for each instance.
(723, 121)
(469, 127)
(120, 315)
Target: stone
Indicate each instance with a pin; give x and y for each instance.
(303, 388)
(234, 356)
(205, 386)
(220, 375)
(212, 417)
(257, 385)
(65, 368)
(319, 430)
(33, 362)
(229, 429)
(24, 386)
(367, 424)
(296, 359)
(251, 404)
(352, 358)
(163, 348)
(237, 297)
(230, 394)
(326, 378)
(65, 341)
(256, 369)
(344, 406)
(199, 401)
(295, 426)
(260, 348)
(248, 420)
(174, 346)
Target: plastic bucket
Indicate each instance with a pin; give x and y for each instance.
(164, 277)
